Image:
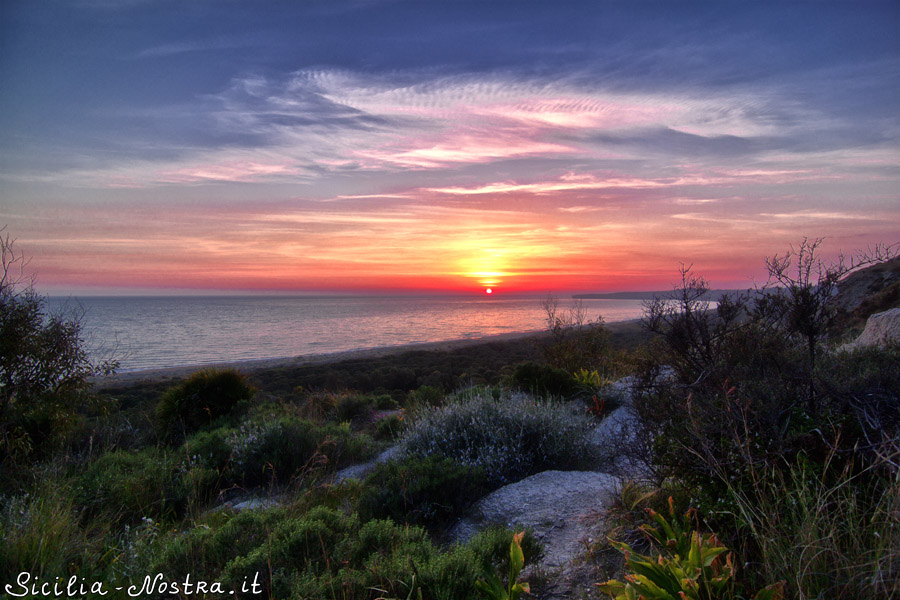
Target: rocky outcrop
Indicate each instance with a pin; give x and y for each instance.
(881, 329)
(560, 507)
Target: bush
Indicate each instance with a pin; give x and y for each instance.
(574, 342)
(430, 491)
(510, 439)
(783, 444)
(274, 447)
(324, 553)
(352, 406)
(388, 427)
(44, 368)
(126, 486)
(544, 380)
(201, 399)
(425, 396)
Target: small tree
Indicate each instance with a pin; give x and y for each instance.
(797, 298)
(44, 365)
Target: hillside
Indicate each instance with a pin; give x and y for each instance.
(866, 292)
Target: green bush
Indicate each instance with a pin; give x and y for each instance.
(127, 486)
(389, 427)
(45, 367)
(544, 380)
(783, 443)
(324, 553)
(209, 547)
(430, 491)
(201, 399)
(209, 448)
(280, 448)
(510, 438)
(352, 406)
(425, 396)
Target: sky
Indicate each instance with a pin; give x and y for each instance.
(385, 146)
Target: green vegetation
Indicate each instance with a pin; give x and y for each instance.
(788, 448)
(44, 371)
(430, 491)
(492, 587)
(508, 438)
(201, 400)
(689, 565)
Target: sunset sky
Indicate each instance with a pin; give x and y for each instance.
(441, 146)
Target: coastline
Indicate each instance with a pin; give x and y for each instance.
(252, 365)
(620, 332)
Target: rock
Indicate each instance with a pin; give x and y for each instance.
(881, 329)
(256, 503)
(557, 505)
(361, 470)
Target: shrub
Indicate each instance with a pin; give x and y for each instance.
(783, 444)
(574, 342)
(282, 447)
(352, 406)
(209, 448)
(201, 399)
(44, 368)
(510, 439)
(544, 380)
(425, 396)
(126, 486)
(209, 547)
(384, 402)
(389, 427)
(429, 491)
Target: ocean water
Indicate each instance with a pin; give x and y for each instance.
(155, 332)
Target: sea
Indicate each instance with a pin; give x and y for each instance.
(158, 332)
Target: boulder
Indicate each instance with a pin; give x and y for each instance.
(881, 329)
(561, 507)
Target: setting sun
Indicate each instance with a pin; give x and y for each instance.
(489, 291)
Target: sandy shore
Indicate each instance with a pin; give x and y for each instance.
(248, 366)
(619, 328)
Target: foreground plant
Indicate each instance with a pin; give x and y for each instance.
(690, 566)
(492, 586)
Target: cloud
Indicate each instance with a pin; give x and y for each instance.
(314, 125)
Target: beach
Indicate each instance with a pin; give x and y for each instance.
(622, 334)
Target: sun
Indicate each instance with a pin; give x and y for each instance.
(489, 291)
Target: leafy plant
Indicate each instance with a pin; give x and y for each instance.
(201, 399)
(591, 380)
(422, 491)
(690, 566)
(492, 586)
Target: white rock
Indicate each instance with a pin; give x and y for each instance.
(559, 506)
(881, 329)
